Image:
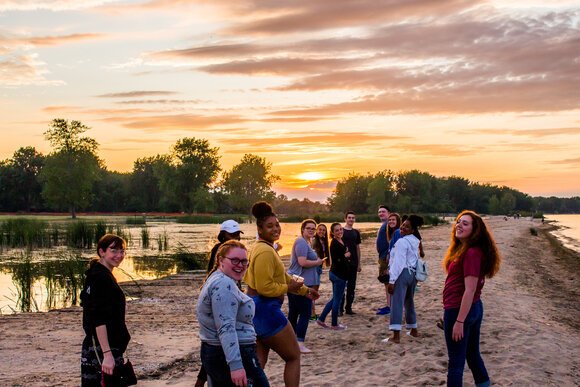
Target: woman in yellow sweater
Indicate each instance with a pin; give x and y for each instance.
(268, 283)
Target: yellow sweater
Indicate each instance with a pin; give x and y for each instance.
(266, 273)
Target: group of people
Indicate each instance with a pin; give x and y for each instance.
(239, 329)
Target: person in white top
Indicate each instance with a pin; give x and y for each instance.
(402, 265)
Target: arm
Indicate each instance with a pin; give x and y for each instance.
(224, 306)
(304, 262)
(359, 268)
(466, 301)
(108, 360)
(398, 260)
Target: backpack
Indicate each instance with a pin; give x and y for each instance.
(421, 272)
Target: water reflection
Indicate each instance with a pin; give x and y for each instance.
(40, 280)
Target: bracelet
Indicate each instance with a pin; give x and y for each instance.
(461, 322)
(106, 351)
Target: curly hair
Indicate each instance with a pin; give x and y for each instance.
(262, 211)
(481, 238)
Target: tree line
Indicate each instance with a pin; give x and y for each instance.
(189, 179)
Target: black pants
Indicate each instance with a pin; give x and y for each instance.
(350, 290)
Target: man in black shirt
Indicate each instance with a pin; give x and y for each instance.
(352, 240)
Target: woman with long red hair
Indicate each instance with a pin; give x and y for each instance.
(472, 256)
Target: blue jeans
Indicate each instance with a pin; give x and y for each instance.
(338, 286)
(214, 362)
(299, 311)
(465, 349)
(403, 297)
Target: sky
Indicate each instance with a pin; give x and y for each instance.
(486, 90)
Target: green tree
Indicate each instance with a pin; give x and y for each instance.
(381, 190)
(195, 166)
(351, 194)
(494, 205)
(507, 203)
(145, 183)
(249, 181)
(72, 168)
(20, 188)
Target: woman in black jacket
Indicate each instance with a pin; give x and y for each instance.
(339, 267)
(103, 304)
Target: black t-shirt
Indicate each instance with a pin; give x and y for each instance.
(103, 303)
(351, 239)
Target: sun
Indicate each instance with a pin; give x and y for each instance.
(311, 176)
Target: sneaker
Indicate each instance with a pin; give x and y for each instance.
(350, 311)
(321, 324)
(384, 311)
(303, 348)
(338, 327)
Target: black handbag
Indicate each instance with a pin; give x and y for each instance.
(123, 375)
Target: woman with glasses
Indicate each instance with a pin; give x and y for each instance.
(103, 302)
(304, 262)
(226, 330)
(268, 283)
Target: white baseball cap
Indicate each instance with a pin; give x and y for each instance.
(230, 226)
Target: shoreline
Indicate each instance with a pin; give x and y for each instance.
(532, 316)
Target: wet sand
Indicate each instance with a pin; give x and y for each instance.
(530, 334)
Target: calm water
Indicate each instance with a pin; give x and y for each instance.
(51, 279)
(569, 232)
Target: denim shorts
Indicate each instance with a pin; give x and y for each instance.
(268, 318)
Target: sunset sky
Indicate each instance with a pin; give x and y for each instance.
(486, 90)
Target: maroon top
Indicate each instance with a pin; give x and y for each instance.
(468, 265)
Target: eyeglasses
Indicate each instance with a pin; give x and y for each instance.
(117, 251)
(238, 261)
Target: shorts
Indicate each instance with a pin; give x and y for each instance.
(268, 318)
(383, 266)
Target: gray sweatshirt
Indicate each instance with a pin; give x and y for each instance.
(225, 317)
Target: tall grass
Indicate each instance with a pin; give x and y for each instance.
(188, 260)
(211, 219)
(136, 220)
(144, 238)
(163, 241)
(22, 232)
(80, 234)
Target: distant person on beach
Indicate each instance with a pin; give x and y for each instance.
(321, 246)
(402, 281)
(472, 256)
(339, 271)
(382, 244)
(268, 283)
(225, 315)
(303, 263)
(103, 302)
(352, 240)
(229, 230)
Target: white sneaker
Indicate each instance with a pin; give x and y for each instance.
(303, 348)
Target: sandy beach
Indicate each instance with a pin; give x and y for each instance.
(530, 333)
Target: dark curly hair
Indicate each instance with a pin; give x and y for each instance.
(262, 211)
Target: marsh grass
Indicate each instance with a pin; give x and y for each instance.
(25, 233)
(136, 220)
(145, 238)
(211, 219)
(163, 241)
(188, 260)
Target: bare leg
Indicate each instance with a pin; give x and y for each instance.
(284, 344)
(262, 351)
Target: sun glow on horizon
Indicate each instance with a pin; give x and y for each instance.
(311, 176)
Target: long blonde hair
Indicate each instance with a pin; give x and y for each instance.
(480, 237)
